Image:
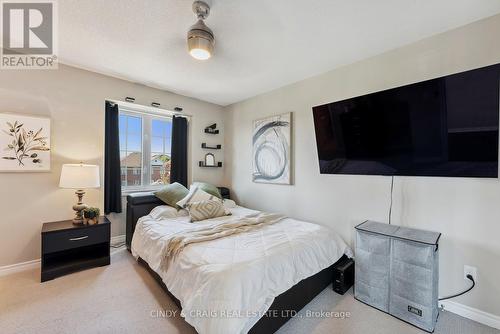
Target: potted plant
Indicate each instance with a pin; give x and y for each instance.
(91, 215)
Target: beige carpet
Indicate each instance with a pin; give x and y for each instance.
(124, 298)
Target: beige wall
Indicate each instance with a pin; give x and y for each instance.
(466, 211)
(74, 100)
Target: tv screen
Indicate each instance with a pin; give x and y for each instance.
(442, 127)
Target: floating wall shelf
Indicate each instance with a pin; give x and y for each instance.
(202, 164)
(212, 132)
(209, 157)
(217, 147)
(212, 129)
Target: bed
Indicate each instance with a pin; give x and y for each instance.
(270, 274)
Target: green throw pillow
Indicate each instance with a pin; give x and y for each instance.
(208, 188)
(172, 193)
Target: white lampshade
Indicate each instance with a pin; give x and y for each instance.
(79, 176)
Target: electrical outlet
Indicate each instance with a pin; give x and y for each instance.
(470, 270)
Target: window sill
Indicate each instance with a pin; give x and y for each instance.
(127, 191)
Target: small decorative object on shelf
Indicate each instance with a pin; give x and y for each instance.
(202, 164)
(209, 159)
(211, 129)
(216, 147)
(91, 215)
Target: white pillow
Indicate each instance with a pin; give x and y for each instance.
(196, 195)
(229, 203)
(166, 211)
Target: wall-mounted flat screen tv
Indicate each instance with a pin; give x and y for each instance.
(441, 127)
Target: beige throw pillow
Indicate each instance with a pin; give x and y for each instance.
(196, 195)
(206, 210)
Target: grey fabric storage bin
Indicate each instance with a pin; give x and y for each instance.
(397, 271)
(371, 269)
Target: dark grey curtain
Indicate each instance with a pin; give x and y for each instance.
(178, 168)
(112, 177)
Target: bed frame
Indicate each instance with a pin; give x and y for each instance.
(283, 307)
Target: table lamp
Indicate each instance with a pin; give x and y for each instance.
(79, 177)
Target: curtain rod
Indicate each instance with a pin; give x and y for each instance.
(148, 109)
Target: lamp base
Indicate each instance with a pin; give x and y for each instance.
(78, 222)
(79, 207)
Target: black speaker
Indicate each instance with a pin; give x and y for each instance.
(343, 275)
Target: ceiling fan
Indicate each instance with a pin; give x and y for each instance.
(200, 38)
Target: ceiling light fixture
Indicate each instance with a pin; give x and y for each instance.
(200, 38)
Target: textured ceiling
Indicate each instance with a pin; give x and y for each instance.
(260, 44)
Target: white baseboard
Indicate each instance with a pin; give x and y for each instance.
(482, 317)
(18, 267)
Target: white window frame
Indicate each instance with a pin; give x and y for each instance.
(146, 122)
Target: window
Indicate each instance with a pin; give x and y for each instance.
(145, 147)
(161, 142)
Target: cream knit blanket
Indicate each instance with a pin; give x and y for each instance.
(233, 226)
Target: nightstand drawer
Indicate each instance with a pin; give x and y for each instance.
(68, 239)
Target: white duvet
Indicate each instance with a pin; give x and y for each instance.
(226, 285)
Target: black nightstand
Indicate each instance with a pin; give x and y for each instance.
(67, 248)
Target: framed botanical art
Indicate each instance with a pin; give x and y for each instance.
(271, 149)
(24, 143)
